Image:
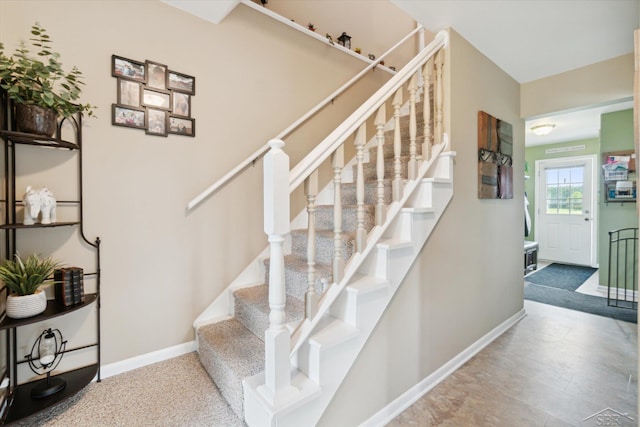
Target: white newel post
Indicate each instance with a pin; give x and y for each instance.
(276, 226)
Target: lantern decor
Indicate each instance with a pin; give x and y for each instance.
(345, 40)
(45, 356)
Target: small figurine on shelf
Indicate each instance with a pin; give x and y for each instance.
(357, 50)
(328, 36)
(36, 201)
(311, 27)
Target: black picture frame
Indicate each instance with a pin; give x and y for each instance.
(157, 75)
(181, 82)
(181, 104)
(129, 92)
(127, 116)
(182, 126)
(157, 99)
(129, 69)
(156, 123)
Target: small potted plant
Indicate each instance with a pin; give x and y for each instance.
(39, 86)
(24, 278)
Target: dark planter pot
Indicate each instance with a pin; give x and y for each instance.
(35, 119)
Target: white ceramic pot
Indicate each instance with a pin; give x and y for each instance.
(21, 306)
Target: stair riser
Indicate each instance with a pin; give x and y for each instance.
(370, 169)
(324, 217)
(348, 192)
(296, 278)
(324, 246)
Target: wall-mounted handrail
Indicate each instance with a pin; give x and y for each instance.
(262, 150)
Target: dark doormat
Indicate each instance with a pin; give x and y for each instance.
(562, 276)
(577, 301)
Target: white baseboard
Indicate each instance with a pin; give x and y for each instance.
(388, 413)
(146, 359)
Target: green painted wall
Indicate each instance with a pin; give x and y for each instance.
(592, 146)
(616, 134)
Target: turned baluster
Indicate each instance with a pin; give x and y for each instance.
(427, 72)
(311, 297)
(397, 146)
(413, 162)
(439, 96)
(379, 122)
(337, 162)
(361, 233)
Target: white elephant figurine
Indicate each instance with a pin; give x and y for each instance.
(36, 201)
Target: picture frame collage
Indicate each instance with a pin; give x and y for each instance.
(152, 97)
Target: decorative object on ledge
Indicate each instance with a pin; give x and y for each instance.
(45, 356)
(495, 163)
(152, 97)
(345, 40)
(23, 279)
(69, 286)
(328, 36)
(358, 50)
(311, 27)
(38, 201)
(371, 56)
(39, 86)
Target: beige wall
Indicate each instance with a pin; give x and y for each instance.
(468, 278)
(161, 265)
(594, 84)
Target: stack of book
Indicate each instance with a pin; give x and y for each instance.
(69, 285)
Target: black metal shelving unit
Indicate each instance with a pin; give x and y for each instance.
(18, 403)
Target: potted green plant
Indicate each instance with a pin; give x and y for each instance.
(24, 278)
(39, 86)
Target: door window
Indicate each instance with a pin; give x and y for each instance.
(564, 188)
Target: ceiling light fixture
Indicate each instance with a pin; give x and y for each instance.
(542, 130)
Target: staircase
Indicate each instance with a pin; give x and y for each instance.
(390, 201)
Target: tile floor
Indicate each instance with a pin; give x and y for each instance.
(556, 367)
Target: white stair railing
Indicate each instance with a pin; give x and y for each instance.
(331, 148)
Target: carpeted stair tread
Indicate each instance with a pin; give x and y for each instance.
(324, 244)
(229, 352)
(370, 169)
(252, 308)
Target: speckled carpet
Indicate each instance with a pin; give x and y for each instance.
(175, 392)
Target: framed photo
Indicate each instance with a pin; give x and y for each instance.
(157, 75)
(128, 93)
(128, 69)
(124, 115)
(182, 83)
(181, 104)
(156, 99)
(156, 122)
(182, 126)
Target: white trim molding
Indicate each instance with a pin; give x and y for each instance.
(408, 398)
(136, 362)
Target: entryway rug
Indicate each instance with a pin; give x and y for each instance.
(561, 276)
(577, 301)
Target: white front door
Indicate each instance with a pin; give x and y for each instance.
(565, 225)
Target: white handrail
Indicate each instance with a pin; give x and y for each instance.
(262, 150)
(322, 151)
